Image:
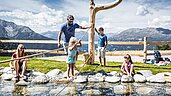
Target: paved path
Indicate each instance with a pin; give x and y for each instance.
(108, 58)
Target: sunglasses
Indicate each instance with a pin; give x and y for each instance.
(126, 57)
(22, 48)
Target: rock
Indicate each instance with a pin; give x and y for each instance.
(75, 73)
(167, 79)
(55, 92)
(96, 78)
(144, 90)
(35, 91)
(120, 89)
(36, 73)
(168, 91)
(80, 79)
(139, 78)
(1, 70)
(112, 79)
(102, 72)
(42, 79)
(126, 79)
(53, 73)
(91, 92)
(156, 79)
(22, 83)
(7, 70)
(145, 73)
(7, 77)
(114, 73)
(63, 80)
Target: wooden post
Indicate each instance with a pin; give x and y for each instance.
(145, 48)
(93, 11)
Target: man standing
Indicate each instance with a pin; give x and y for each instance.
(69, 31)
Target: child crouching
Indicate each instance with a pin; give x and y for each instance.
(72, 52)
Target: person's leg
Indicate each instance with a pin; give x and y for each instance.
(24, 65)
(104, 61)
(77, 55)
(68, 70)
(131, 69)
(72, 69)
(99, 55)
(65, 46)
(16, 63)
(103, 56)
(100, 60)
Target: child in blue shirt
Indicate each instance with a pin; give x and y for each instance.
(72, 51)
(102, 43)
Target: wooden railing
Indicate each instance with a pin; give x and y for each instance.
(143, 52)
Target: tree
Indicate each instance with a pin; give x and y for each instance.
(93, 10)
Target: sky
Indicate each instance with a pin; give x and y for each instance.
(49, 15)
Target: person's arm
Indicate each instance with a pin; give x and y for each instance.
(126, 69)
(96, 31)
(75, 45)
(82, 27)
(59, 38)
(106, 42)
(79, 43)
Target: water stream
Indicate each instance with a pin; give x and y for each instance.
(83, 89)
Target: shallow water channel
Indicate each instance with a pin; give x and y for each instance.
(83, 89)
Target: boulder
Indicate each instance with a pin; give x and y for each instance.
(42, 79)
(112, 79)
(145, 73)
(156, 79)
(127, 79)
(139, 78)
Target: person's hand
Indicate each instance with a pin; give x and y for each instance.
(79, 41)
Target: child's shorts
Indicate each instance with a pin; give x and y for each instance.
(101, 52)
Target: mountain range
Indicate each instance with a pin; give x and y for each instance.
(10, 30)
(132, 34)
(137, 34)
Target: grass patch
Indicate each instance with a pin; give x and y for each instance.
(48, 65)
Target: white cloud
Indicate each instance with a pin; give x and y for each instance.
(142, 10)
(162, 21)
(29, 5)
(46, 20)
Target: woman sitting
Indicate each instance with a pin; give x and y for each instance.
(19, 65)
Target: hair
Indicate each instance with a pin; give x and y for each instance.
(18, 51)
(101, 28)
(70, 17)
(72, 39)
(127, 56)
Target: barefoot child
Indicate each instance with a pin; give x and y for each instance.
(72, 51)
(127, 66)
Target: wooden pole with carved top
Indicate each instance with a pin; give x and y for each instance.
(93, 11)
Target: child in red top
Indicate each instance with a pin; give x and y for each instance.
(127, 66)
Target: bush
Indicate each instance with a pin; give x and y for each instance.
(163, 47)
